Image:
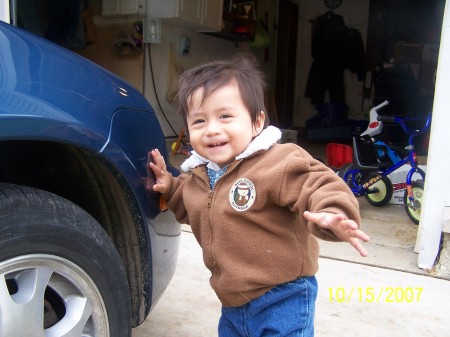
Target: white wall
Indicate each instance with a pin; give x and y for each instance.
(158, 55)
(4, 11)
(436, 197)
(203, 48)
(356, 15)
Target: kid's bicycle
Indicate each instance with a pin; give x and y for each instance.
(374, 160)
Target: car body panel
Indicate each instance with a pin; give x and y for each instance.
(48, 93)
(103, 114)
(35, 72)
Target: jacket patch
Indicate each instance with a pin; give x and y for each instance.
(242, 194)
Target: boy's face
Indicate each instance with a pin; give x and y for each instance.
(221, 128)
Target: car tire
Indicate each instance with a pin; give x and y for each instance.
(60, 273)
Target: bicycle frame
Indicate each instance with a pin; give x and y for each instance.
(360, 190)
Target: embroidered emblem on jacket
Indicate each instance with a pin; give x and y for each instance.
(242, 194)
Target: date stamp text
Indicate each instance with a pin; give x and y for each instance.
(375, 294)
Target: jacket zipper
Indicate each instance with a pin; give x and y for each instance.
(209, 207)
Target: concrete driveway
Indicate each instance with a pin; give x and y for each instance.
(385, 294)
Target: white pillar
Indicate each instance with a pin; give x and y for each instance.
(4, 11)
(437, 185)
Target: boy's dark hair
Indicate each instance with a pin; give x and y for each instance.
(211, 76)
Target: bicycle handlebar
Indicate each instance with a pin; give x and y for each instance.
(379, 106)
(387, 119)
(401, 122)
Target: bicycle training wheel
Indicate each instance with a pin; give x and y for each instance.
(383, 194)
(414, 211)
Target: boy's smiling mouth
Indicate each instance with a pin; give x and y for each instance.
(216, 144)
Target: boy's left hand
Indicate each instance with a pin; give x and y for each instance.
(345, 229)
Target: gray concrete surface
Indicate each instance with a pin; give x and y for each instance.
(354, 300)
(384, 294)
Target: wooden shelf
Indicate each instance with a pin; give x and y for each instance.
(231, 36)
(230, 22)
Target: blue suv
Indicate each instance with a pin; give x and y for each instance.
(84, 247)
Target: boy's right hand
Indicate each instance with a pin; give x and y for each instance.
(159, 168)
(345, 229)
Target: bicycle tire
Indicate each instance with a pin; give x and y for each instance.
(349, 167)
(384, 194)
(414, 211)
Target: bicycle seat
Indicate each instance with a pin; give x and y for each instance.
(364, 155)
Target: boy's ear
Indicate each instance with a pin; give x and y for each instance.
(258, 126)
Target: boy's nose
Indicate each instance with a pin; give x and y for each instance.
(212, 127)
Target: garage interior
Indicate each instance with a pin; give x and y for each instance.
(327, 62)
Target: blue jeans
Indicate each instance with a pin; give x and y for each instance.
(285, 310)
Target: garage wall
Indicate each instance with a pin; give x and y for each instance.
(163, 63)
(153, 68)
(203, 47)
(160, 63)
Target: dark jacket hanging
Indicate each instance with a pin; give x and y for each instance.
(334, 47)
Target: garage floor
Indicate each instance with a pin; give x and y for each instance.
(384, 294)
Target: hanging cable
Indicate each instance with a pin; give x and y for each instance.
(156, 93)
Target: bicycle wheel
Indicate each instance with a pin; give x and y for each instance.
(414, 211)
(384, 191)
(359, 176)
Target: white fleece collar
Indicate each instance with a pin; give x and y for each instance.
(263, 141)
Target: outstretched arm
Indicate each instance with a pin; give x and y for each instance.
(345, 229)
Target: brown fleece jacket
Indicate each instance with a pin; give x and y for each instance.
(251, 226)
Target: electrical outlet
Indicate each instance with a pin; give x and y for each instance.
(152, 31)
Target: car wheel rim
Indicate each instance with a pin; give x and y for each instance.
(46, 295)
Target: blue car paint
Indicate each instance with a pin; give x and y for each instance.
(89, 98)
(52, 94)
(83, 109)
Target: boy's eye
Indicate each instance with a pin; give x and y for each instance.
(225, 116)
(198, 121)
